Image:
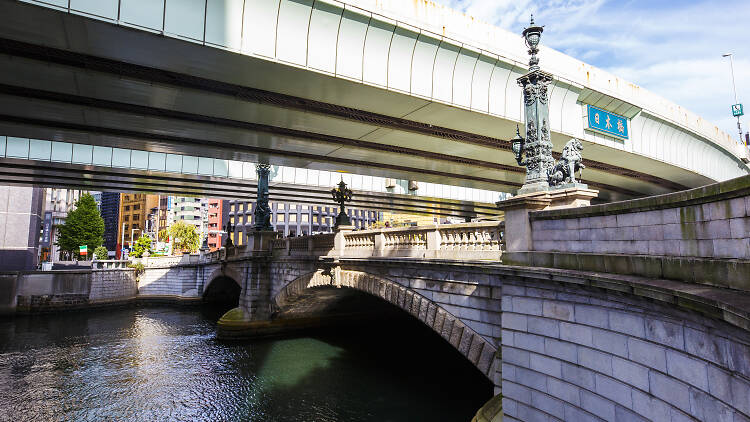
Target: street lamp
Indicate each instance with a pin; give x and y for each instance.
(737, 112)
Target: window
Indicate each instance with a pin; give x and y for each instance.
(126, 218)
(280, 217)
(127, 207)
(241, 236)
(231, 220)
(292, 206)
(136, 217)
(305, 218)
(135, 226)
(231, 208)
(136, 207)
(292, 218)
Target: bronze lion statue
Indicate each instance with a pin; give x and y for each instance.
(570, 162)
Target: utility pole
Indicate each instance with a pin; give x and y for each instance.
(736, 112)
(122, 241)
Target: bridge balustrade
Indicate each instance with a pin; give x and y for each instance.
(481, 240)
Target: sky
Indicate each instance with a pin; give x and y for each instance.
(671, 47)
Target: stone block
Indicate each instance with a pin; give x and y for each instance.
(739, 228)
(506, 304)
(456, 333)
(508, 338)
(626, 415)
(616, 263)
(592, 359)
(543, 326)
(528, 413)
(740, 394)
(561, 350)
(525, 305)
(649, 233)
(716, 229)
(719, 383)
(431, 311)
(563, 390)
(630, 373)
(448, 321)
(516, 357)
(530, 342)
(610, 342)
(485, 359)
(540, 293)
(651, 408)
(678, 231)
(730, 248)
(665, 332)
(464, 344)
(678, 269)
(624, 220)
(578, 375)
(576, 333)
(614, 390)
(579, 415)
(514, 321)
(558, 310)
(546, 365)
(704, 407)
(598, 405)
(648, 354)
(591, 315)
(740, 358)
(670, 390)
(548, 404)
(566, 261)
(626, 322)
(531, 379)
(516, 392)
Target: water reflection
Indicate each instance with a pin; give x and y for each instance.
(148, 364)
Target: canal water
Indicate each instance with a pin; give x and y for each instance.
(159, 364)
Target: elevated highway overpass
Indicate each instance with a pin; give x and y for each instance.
(372, 88)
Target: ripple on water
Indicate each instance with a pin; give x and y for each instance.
(152, 364)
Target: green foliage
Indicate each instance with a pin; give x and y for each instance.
(141, 245)
(185, 237)
(83, 226)
(101, 253)
(139, 268)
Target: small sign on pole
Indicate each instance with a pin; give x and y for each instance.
(737, 110)
(83, 250)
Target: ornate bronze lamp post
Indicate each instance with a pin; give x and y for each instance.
(535, 151)
(262, 212)
(341, 195)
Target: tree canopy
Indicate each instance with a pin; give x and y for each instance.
(185, 237)
(101, 253)
(141, 245)
(83, 226)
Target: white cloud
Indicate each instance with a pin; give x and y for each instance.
(671, 48)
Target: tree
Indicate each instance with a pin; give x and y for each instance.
(185, 237)
(141, 245)
(83, 226)
(163, 234)
(101, 253)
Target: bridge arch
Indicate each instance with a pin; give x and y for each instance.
(223, 285)
(478, 350)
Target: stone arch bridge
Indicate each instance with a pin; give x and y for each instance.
(571, 321)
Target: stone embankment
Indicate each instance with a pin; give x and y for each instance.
(47, 291)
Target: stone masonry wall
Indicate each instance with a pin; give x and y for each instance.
(578, 354)
(109, 285)
(711, 230)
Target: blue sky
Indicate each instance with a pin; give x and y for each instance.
(672, 48)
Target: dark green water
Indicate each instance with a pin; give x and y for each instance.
(158, 364)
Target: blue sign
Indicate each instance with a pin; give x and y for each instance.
(607, 123)
(737, 110)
